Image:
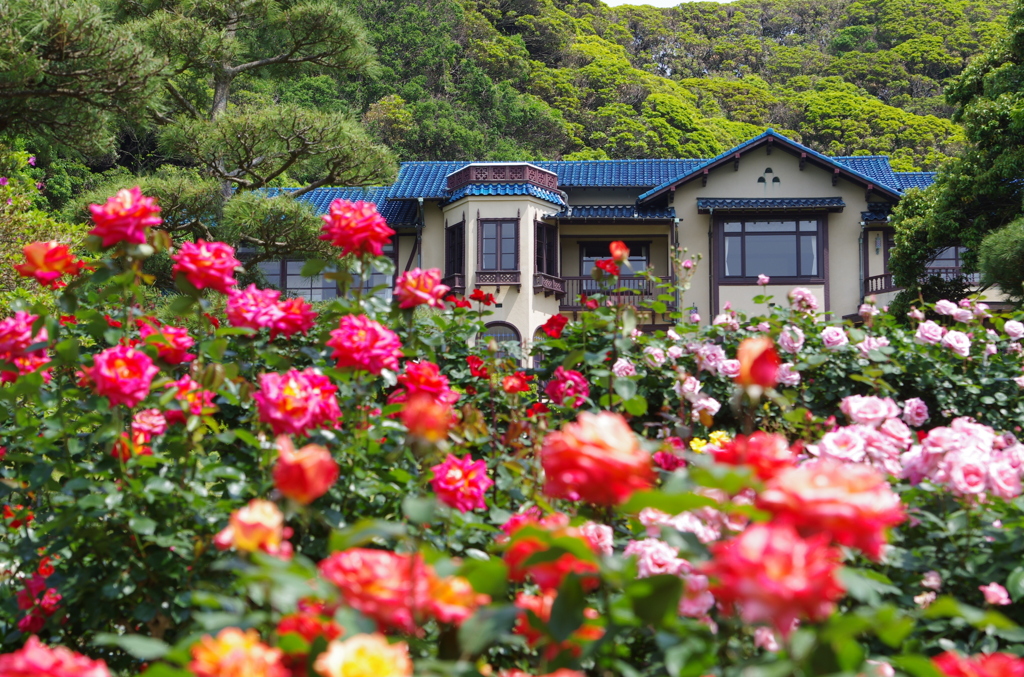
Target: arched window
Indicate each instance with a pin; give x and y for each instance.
(503, 334)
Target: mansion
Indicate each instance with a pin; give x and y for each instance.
(530, 232)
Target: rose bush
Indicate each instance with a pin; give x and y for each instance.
(366, 489)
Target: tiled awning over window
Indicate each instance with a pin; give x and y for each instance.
(706, 205)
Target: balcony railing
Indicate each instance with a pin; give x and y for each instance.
(630, 291)
(549, 284)
(877, 284)
(457, 283)
(498, 278)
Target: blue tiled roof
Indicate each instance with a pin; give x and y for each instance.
(427, 179)
(874, 216)
(396, 212)
(915, 179)
(705, 204)
(862, 162)
(616, 212)
(506, 189)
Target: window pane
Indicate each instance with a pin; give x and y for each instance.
(808, 226)
(733, 257)
(771, 226)
(771, 255)
(733, 227)
(809, 255)
(272, 271)
(490, 230)
(295, 267)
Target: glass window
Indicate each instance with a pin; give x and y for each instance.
(503, 334)
(592, 252)
(547, 249)
(776, 247)
(455, 250)
(499, 245)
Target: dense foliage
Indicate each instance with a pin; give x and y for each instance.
(236, 483)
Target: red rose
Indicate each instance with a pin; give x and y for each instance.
(619, 251)
(609, 266)
(766, 454)
(306, 474)
(554, 326)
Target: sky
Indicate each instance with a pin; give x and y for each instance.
(656, 3)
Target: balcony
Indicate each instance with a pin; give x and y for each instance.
(879, 284)
(631, 290)
(549, 284)
(457, 283)
(499, 279)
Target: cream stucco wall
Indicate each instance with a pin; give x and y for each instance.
(813, 181)
(602, 196)
(742, 297)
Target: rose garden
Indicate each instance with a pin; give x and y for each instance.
(229, 483)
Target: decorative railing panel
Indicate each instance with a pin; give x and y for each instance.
(630, 290)
(549, 284)
(503, 173)
(457, 282)
(878, 284)
(499, 278)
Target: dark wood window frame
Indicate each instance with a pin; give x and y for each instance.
(821, 232)
(480, 245)
(454, 254)
(632, 244)
(546, 237)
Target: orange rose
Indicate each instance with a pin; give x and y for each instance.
(257, 526)
(852, 503)
(427, 418)
(452, 599)
(234, 652)
(304, 475)
(364, 656)
(759, 363)
(597, 459)
(47, 262)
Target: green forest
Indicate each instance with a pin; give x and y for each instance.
(206, 103)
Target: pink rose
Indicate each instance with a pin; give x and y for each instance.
(729, 368)
(945, 307)
(929, 333)
(963, 315)
(1014, 329)
(915, 314)
(764, 638)
(834, 337)
(675, 352)
(599, 536)
(623, 368)
(697, 599)
(763, 280)
(568, 388)
(870, 410)
(995, 594)
(655, 356)
(958, 342)
(871, 343)
(791, 339)
(122, 375)
(787, 376)
(418, 287)
(803, 300)
(932, 580)
(654, 557)
(1004, 479)
(687, 388)
(897, 431)
(845, 444)
(967, 472)
(915, 412)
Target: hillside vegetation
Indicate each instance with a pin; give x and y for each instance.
(522, 79)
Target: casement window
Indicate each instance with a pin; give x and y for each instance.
(503, 334)
(287, 276)
(592, 252)
(948, 257)
(455, 249)
(788, 249)
(547, 249)
(499, 245)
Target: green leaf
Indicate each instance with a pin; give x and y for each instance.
(142, 525)
(866, 586)
(637, 406)
(572, 359)
(624, 388)
(363, 532)
(916, 665)
(143, 648)
(181, 304)
(489, 577)
(654, 597)
(567, 611)
(313, 267)
(673, 504)
(419, 509)
(1015, 583)
(486, 626)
